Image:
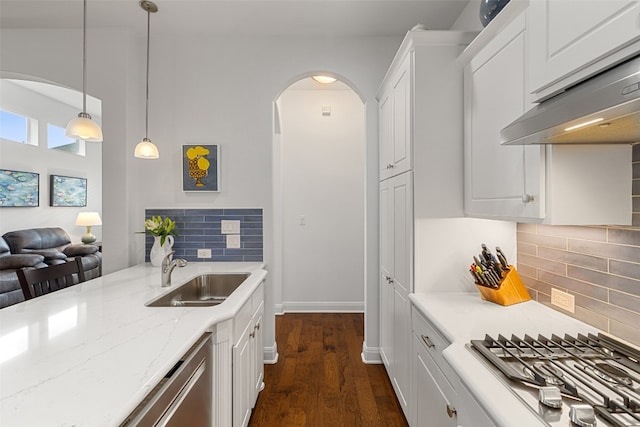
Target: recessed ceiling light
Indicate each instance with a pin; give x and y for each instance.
(323, 79)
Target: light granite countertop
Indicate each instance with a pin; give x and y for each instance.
(88, 354)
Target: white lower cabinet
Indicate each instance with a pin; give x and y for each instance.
(434, 395)
(396, 281)
(247, 359)
(438, 397)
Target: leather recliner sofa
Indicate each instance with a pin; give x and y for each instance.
(37, 248)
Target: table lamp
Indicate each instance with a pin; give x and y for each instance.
(88, 219)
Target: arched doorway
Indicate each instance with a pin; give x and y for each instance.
(319, 197)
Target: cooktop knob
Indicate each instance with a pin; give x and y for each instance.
(582, 415)
(550, 396)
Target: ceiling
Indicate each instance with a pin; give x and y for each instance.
(327, 18)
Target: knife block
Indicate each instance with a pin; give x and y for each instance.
(511, 289)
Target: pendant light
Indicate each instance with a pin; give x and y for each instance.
(83, 127)
(145, 148)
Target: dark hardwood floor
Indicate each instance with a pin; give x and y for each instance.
(320, 379)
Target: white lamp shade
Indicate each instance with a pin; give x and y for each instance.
(88, 219)
(83, 127)
(146, 150)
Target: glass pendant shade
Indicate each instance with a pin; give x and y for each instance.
(146, 150)
(83, 127)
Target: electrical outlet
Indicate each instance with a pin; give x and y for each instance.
(233, 241)
(563, 300)
(204, 253)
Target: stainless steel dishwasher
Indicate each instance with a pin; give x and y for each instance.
(184, 396)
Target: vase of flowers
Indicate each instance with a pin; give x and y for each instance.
(163, 231)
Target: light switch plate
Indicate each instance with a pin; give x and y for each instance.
(233, 241)
(230, 226)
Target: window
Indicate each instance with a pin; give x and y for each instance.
(18, 128)
(57, 140)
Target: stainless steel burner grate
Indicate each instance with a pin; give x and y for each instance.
(595, 370)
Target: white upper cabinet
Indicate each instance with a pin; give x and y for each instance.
(500, 181)
(572, 40)
(551, 184)
(395, 124)
(419, 107)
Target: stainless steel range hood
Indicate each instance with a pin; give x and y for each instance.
(602, 110)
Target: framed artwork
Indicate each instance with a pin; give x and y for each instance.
(200, 168)
(19, 189)
(67, 191)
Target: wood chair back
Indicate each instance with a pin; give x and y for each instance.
(41, 281)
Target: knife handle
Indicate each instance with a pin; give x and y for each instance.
(503, 261)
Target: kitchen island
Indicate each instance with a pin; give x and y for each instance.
(88, 354)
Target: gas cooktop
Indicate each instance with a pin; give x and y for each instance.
(586, 381)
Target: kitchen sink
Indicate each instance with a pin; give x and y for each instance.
(205, 290)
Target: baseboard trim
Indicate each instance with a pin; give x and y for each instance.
(270, 354)
(321, 307)
(371, 355)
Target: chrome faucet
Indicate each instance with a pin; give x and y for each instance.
(167, 267)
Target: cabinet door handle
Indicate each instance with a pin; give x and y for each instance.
(527, 198)
(388, 279)
(390, 166)
(252, 334)
(428, 341)
(257, 327)
(451, 411)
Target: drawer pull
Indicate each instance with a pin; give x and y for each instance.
(428, 341)
(451, 411)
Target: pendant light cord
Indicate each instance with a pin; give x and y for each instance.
(146, 129)
(84, 58)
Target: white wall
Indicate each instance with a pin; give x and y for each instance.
(469, 19)
(204, 89)
(44, 161)
(444, 250)
(323, 196)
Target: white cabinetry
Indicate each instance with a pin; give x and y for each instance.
(438, 397)
(396, 240)
(420, 113)
(395, 130)
(433, 395)
(247, 360)
(553, 184)
(500, 181)
(421, 175)
(573, 40)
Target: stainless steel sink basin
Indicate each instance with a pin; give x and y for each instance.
(205, 290)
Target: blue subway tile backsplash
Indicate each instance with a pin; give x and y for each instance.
(201, 229)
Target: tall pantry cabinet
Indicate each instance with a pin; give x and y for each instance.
(420, 131)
